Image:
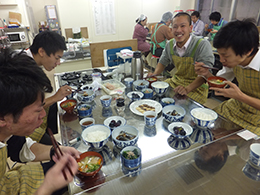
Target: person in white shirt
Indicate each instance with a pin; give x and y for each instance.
(237, 44)
(47, 49)
(197, 24)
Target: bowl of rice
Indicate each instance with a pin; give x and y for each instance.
(96, 135)
(203, 117)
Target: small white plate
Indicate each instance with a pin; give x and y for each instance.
(156, 105)
(116, 118)
(187, 128)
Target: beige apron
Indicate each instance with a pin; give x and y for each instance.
(39, 132)
(185, 75)
(240, 113)
(24, 179)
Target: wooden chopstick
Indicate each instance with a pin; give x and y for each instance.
(56, 149)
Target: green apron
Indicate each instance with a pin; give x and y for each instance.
(24, 179)
(153, 44)
(240, 113)
(185, 75)
(215, 27)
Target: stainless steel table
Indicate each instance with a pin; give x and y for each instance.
(156, 152)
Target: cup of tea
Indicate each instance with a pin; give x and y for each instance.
(150, 118)
(129, 82)
(86, 122)
(105, 100)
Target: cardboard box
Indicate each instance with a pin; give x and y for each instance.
(15, 18)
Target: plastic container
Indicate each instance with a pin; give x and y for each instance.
(96, 76)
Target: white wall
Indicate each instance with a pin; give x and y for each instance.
(79, 13)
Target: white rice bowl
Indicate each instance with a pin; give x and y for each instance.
(96, 135)
(203, 117)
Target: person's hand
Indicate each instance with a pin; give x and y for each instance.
(70, 150)
(232, 92)
(206, 27)
(199, 70)
(181, 90)
(62, 92)
(213, 31)
(150, 74)
(54, 179)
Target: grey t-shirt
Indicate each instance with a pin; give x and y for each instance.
(203, 52)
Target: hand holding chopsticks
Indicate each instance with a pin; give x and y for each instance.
(58, 152)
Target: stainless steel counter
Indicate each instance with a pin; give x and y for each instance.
(159, 159)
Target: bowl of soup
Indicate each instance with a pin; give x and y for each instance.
(151, 80)
(68, 105)
(90, 163)
(216, 81)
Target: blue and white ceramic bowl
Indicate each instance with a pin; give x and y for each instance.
(140, 84)
(132, 172)
(171, 118)
(178, 144)
(105, 100)
(167, 101)
(131, 163)
(86, 122)
(84, 110)
(203, 117)
(150, 118)
(86, 96)
(135, 98)
(148, 93)
(91, 135)
(129, 82)
(128, 129)
(201, 135)
(251, 171)
(160, 87)
(254, 156)
(187, 128)
(107, 111)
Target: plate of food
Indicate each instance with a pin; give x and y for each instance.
(112, 86)
(141, 106)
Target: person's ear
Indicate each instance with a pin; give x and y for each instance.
(41, 51)
(2, 122)
(249, 53)
(191, 26)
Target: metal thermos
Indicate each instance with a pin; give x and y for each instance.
(137, 66)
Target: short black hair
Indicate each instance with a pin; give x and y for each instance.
(195, 13)
(216, 16)
(241, 36)
(213, 165)
(50, 41)
(21, 82)
(183, 14)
